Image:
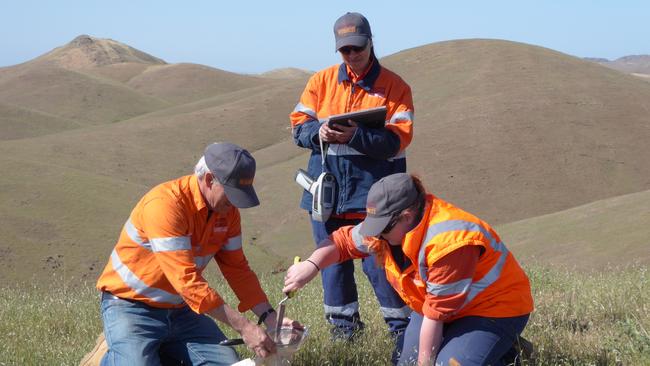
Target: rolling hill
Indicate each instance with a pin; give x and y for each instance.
(74, 95)
(65, 83)
(506, 130)
(511, 131)
(85, 51)
(287, 73)
(632, 64)
(601, 233)
(182, 83)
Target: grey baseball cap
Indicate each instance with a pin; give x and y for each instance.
(234, 167)
(351, 29)
(387, 197)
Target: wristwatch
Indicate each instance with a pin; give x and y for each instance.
(264, 315)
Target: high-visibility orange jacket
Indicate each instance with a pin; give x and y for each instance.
(166, 243)
(498, 287)
(372, 153)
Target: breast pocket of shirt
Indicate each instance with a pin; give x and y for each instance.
(206, 251)
(218, 238)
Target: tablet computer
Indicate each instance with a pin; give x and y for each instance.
(371, 118)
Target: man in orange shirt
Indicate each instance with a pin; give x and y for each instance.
(155, 300)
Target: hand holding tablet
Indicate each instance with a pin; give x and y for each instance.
(371, 118)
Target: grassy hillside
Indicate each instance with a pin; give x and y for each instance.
(121, 72)
(55, 226)
(20, 123)
(85, 51)
(580, 319)
(510, 131)
(182, 83)
(287, 73)
(505, 130)
(75, 95)
(633, 64)
(592, 236)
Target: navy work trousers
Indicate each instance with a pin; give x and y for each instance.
(468, 341)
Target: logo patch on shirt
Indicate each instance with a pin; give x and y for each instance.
(220, 229)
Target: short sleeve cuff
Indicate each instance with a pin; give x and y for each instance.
(251, 301)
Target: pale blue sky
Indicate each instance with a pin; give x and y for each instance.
(257, 36)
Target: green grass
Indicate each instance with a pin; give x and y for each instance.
(580, 319)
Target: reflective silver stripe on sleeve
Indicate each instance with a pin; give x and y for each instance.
(455, 288)
(308, 111)
(396, 313)
(233, 243)
(345, 310)
(343, 150)
(456, 225)
(171, 244)
(489, 278)
(358, 240)
(131, 280)
(132, 233)
(402, 116)
(201, 262)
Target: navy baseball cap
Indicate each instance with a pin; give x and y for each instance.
(351, 29)
(234, 168)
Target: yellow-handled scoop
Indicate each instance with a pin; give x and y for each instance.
(281, 306)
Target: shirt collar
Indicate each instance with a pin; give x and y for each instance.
(195, 191)
(367, 80)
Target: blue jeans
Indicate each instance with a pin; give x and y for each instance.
(472, 340)
(340, 291)
(138, 334)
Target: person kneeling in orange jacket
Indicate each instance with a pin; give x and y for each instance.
(155, 303)
(470, 298)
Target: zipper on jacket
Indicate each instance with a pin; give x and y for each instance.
(348, 106)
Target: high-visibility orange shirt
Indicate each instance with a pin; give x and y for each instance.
(334, 90)
(166, 243)
(434, 284)
(371, 153)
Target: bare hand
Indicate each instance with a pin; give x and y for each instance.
(340, 135)
(299, 275)
(271, 323)
(346, 132)
(257, 340)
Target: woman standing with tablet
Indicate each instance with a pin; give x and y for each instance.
(357, 156)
